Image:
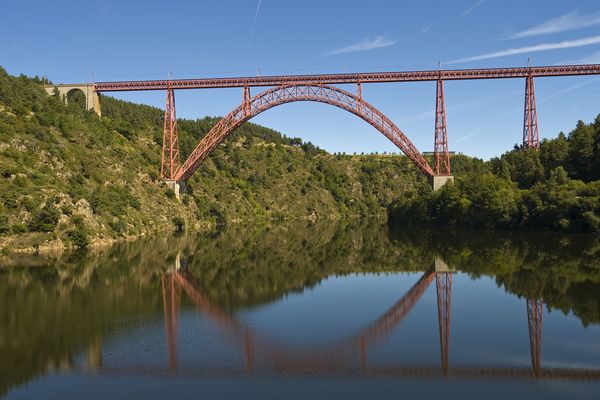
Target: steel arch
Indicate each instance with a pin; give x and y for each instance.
(251, 107)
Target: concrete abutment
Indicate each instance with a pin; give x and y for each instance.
(176, 186)
(437, 181)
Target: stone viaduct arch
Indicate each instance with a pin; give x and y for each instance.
(92, 99)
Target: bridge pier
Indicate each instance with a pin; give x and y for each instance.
(531, 134)
(170, 148)
(437, 181)
(176, 186)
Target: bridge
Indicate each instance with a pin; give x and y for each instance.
(347, 356)
(321, 88)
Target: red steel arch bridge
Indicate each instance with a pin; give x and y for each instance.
(321, 88)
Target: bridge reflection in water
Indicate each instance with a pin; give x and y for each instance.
(348, 356)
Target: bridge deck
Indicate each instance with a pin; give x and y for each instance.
(373, 77)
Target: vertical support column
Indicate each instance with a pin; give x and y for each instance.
(94, 103)
(535, 310)
(359, 96)
(170, 149)
(246, 100)
(171, 300)
(531, 135)
(443, 283)
(440, 151)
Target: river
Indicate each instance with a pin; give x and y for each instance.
(306, 310)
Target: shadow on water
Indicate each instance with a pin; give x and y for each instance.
(54, 309)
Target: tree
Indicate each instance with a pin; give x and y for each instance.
(581, 150)
(554, 152)
(45, 219)
(79, 234)
(4, 227)
(295, 142)
(179, 224)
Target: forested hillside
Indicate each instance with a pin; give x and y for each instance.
(70, 178)
(555, 187)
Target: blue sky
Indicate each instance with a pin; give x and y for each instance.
(75, 41)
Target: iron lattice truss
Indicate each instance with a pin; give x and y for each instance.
(331, 79)
(251, 107)
(531, 134)
(440, 153)
(170, 149)
(288, 88)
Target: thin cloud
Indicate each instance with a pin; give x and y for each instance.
(426, 28)
(591, 59)
(455, 108)
(421, 116)
(569, 89)
(484, 127)
(566, 44)
(564, 23)
(364, 45)
(517, 110)
(254, 22)
(472, 8)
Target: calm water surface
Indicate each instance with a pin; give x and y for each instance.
(324, 310)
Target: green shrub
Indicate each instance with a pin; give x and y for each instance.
(4, 227)
(179, 224)
(113, 200)
(117, 225)
(79, 235)
(45, 219)
(19, 228)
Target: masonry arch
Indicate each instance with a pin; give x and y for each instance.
(91, 99)
(76, 96)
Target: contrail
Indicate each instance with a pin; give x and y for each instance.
(254, 22)
(566, 44)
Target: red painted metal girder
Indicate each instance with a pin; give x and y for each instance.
(441, 155)
(287, 94)
(330, 79)
(531, 134)
(170, 148)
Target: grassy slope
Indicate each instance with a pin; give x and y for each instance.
(65, 173)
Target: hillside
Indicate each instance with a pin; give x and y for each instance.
(70, 178)
(555, 187)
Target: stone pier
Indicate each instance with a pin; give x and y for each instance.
(175, 186)
(437, 181)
